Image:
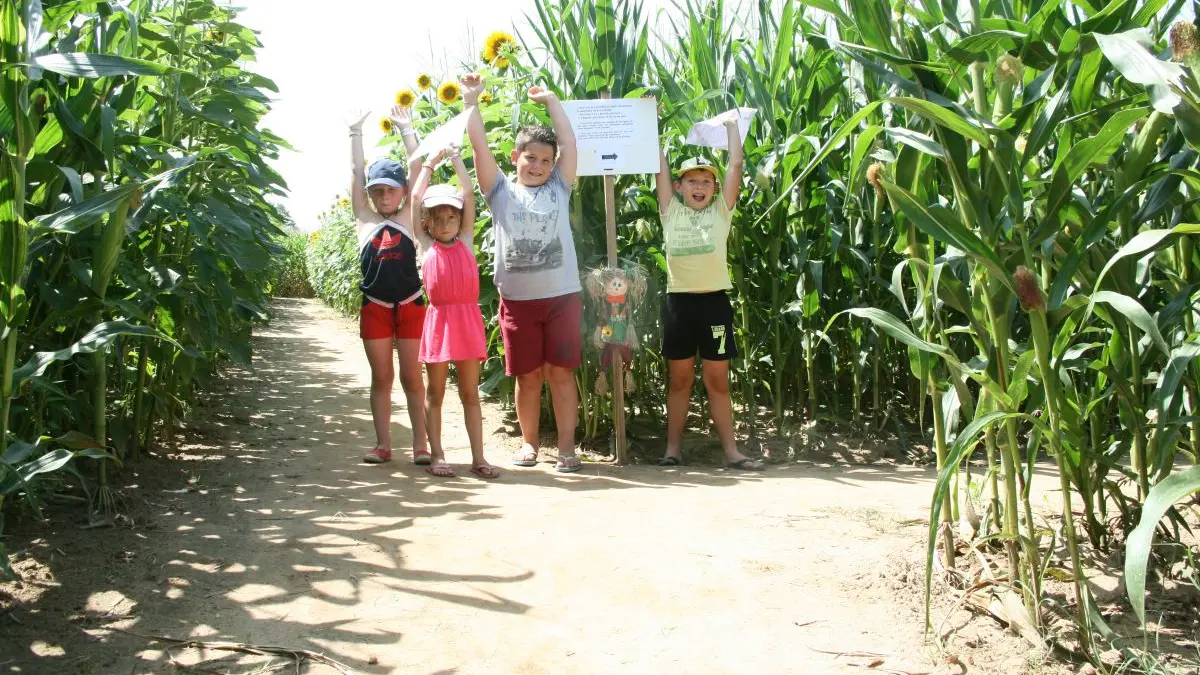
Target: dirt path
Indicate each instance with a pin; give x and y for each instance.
(281, 537)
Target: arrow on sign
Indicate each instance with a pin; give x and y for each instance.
(612, 156)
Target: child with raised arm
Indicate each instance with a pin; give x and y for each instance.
(393, 308)
(697, 314)
(453, 331)
(536, 269)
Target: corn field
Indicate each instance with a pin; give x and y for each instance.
(977, 219)
(135, 231)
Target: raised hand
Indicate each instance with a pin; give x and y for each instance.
(542, 96)
(472, 85)
(401, 115)
(355, 118)
(730, 118)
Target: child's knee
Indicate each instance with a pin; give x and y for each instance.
(469, 396)
(557, 375)
(531, 379)
(382, 379)
(435, 394)
(413, 383)
(717, 383)
(681, 381)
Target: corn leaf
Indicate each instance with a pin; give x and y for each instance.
(1134, 311)
(97, 339)
(1137, 548)
(79, 64)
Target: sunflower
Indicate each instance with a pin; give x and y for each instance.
(448, 92)
(405, 98)
(497, 46)
(344, 203)
(386, 125)
(485, 98)
(424, 81)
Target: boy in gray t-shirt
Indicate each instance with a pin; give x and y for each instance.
(536, 270)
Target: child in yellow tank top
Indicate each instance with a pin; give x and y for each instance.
(697, 312)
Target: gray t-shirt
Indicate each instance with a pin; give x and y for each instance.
(535, 254)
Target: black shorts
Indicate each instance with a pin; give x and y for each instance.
(698, 322)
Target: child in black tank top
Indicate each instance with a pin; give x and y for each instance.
(393, 310)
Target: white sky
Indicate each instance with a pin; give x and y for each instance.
(328, 59)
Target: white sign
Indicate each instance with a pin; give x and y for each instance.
(450, 133)
(711, 132)
(615, 136)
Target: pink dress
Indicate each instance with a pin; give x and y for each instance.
(453, 323)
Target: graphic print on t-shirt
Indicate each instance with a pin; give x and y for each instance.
(693, 233)
(531, 241)
(386, 243)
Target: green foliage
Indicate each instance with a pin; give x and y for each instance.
(134, 224)
(332, 261)
(289, 269)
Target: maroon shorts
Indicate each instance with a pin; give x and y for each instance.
(402, 322)
(540, 331)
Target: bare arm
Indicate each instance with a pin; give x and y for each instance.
(420, 183)
(733, 172)
(662, 184)
(466, 231)
(486, 170)
(423, 177)
(568, 154)
(402, 118)
(358, 179)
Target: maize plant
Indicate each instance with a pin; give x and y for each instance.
(134, 226)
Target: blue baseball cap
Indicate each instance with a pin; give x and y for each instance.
(387, 172)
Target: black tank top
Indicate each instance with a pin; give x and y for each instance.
(389, 265)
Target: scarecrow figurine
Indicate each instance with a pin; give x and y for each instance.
(621, 288)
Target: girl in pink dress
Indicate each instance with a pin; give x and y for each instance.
(453, 322)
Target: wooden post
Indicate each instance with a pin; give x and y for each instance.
(618, 369)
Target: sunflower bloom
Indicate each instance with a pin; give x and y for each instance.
(485, 98)
(405, 98)
(386, 125)
(344, 203)
(497, 46)
(424, 81)
(448, 92)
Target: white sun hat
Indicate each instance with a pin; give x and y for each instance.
(438, 195)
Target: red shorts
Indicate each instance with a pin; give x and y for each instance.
(540, 331)
(402, 322)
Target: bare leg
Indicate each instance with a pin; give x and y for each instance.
(414, 391)
(680, 374)
(468, 393)
(379, 355)
(565, 396)
(435, 393)
(529, 410)
(720, 406)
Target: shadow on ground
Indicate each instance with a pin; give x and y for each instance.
(264, 528)
(264, 523)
